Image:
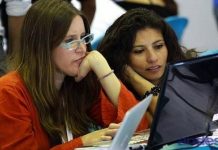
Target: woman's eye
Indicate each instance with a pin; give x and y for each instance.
(138, 51)
(69, 40)
(82, 36)
(158, 46)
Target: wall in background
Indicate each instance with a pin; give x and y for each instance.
(202, 32)
(106, 13)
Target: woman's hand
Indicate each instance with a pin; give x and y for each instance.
(141, 85)
(93, 61)
(95, 137)
(129, 73)
(96, 62)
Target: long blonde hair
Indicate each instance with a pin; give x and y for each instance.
(45, 26)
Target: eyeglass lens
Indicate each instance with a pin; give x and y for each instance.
(72, 45)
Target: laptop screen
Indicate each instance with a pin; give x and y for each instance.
(187, 102)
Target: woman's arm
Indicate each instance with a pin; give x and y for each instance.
(104, 112)
(110, 83)
(141, 85)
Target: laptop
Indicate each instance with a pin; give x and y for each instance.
(187, 106)
(127, 128)
(188, 102)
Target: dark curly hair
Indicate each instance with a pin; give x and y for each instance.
(120, 37)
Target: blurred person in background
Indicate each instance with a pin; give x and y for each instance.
(88, 7)
(12, 16)
(164, 8)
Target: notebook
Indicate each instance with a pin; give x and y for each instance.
(188, 102)
(187, 106)
(128, 126)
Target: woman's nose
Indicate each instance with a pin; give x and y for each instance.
(152, 56)
(81, 47)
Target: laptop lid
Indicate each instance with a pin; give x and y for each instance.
(129, 124)
(127, 128)
(187, 102)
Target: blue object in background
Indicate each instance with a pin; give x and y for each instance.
(96, 42)
(178, 24)
(215, 2)
(208, 52)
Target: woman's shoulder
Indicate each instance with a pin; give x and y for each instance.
(11, 81)
(13, 88)
(12, 77)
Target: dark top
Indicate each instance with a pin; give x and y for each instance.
(160, 10)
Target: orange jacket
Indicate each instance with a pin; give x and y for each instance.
(20, 127)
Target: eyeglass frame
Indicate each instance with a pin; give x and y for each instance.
(68, 45)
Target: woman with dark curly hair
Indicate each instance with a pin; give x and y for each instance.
(138, 46)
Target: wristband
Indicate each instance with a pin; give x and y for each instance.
(112, 71)
(154, 90)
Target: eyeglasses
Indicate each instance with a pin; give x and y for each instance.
(74, 44)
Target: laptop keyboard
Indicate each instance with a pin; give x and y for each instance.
(139, 138)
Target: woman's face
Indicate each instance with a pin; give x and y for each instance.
(149, 54)
(68, 57)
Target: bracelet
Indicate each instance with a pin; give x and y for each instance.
(154, 90)
(104, 76)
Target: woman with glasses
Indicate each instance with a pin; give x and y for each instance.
(138, 45)
(59, 94)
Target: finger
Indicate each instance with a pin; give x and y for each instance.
(127, 72)
(114, 126)
(128, 69)
(83, 70)
(106, 138)
(111, 132)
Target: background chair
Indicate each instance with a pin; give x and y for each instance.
(178, 24)
(96, 42)
(208, 52)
